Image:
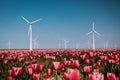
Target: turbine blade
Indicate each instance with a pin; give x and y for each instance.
(89, 33)
(36, 21)
(25, 19)
(93, 26)
(97, 33)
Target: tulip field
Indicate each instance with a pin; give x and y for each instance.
(60, 64)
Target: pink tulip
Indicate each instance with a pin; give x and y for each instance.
(83, 57)
(75, 64)
(34, 66)
(95, 66)
(63, 69)
(29, 70)
(1, 57)
(27, 63)
(56, 65)
(111, 76)
(6, 62)
(87, 69)
(73, 74)
(103, 57)
(67, 63)
(91, 54)
(66, 76)
(48, 73)
(87, 61)
(36, 76)
(10, 72)
(96, 76)
(17, 71)
(40, 67)
(20, 58)
(9, 78)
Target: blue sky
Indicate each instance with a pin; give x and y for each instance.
(62, 19)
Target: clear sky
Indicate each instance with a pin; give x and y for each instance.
(62, 19)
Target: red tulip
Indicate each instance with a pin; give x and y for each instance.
(87, 69)
(56, 65)
(17, 71)
(27, 63)
(91, 54)
(87, 61)
(98, 63)
(111, 76)
(20, 59)
(83, 57)
(63, 69)
(67, 63)
(34, 66)
(1, 57)
(75, 64)
(6, 62)
(9, 78)
(31, 58)
(95, 66)
(29, 70)
(103, 57)
(96, 76)
(66, 76)
(48, 73)
(36, 76)
(40, 67)
(73, 74)
(10, 72)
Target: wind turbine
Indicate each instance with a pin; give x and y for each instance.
(77, 45)
(106, 45)
(9, 44)
(30, 29)
(35, 43)
(93, 35)
(65, 43)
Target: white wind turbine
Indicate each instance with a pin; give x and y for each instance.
(35, 43)
(30, 29)
(9, 44)
(65, 43)
(93, 35)
(77, 45)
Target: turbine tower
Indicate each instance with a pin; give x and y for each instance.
(30, 30)
(65, 43)
(77, 46)
(35, 43)
(93, 35)
(9, 44)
